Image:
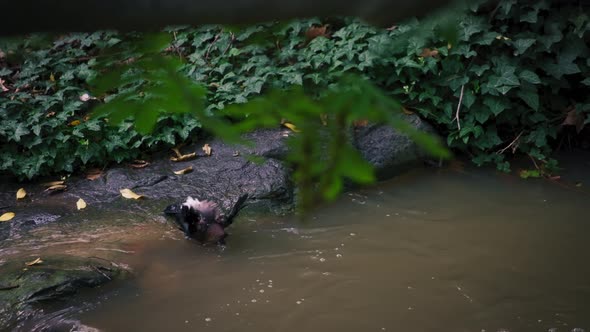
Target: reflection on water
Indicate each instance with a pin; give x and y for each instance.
(429, 251)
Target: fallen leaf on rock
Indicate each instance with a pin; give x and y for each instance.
(93, 174)
(184, 171)
(34, 262)
(21, 193)
(52, 183)
(407, 111)
(80, 204)
(57, 187)
(139, 164)
(184, 157)
(177, 152)
(207, 149)
(7, 216)
(291, 126)
(127, 193)
(236, 153)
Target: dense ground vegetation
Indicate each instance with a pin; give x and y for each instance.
(514, 74)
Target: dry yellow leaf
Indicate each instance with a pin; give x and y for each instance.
(177, 151)
(52, 77)
(34, 262)
(184, 157)
(21, 193)
(127, 193)
(80, 204)
(139, 164)
(93, 174)
(207, 149)
(184, 171)
(52, 183)
(75, 123)
(7, 216)
(407, 111)
(291, 126)
(57, 187)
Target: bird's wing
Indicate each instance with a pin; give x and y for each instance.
(208, 210)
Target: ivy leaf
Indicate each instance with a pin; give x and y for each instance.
(530, 97)
(529, 76)
(481, 115)
(496, 105)
(538, 137)
(530, 16)
(20, 131)
(521, 45)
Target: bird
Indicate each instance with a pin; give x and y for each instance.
(203, 220)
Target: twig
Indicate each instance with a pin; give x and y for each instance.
(211, 44)
(534, 163)
(514, 141)
(99, 271)
(459, 107)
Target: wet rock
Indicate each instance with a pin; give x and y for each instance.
(21, 286)
(388, 150)
(222, 177)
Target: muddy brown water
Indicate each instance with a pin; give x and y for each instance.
(432, 250)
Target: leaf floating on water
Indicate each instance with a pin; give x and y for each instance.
(52, 183)
(80, 204)
(184, 171)
(7, 216)
(34, 262)
(184, 157)
(207, 149)
(21, 193)
(57, 187)
(139, 164)
(127, 193)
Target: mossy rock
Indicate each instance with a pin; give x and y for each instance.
(55, 277)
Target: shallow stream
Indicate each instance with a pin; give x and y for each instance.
(433, 250)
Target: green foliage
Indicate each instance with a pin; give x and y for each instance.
(519, 68)
(45, 123)
(515, 68)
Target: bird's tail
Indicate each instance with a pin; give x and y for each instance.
(236, 208)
